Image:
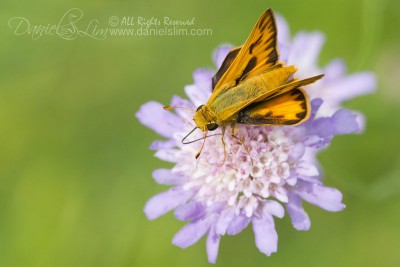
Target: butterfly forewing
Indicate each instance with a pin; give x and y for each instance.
(230, 57)
(257, 55)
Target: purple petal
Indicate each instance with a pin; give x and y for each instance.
(317, 142)
(283, 37)
(324, 197)
(321, 127)
(305, 51)
(280, 194)
(306, 169)
(334, 70)
(212, 245)
(167, 155)
(299, 217)
(197, 97)
(237, 224)
(296, 152)
(310, 179)
(179, 101)
(161, 144)
(311, 156)
(345, 122)
(360, 119)
(274, 208)
(352, 86)
(167, 177)
(156, 118)
(190, 211)
(183, 113)
(223, 221)
(283, 29)
(166, 201)
(202, 79)
(315, 106)
(220, 54)
(192, 232)
(265, 234)
(337, 88)
(342, 122)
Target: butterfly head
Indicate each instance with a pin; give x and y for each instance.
(204, 119)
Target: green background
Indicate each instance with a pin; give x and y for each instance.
(75, 168)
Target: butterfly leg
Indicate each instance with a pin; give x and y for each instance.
(240, 141)
(233, 129)
(201, 149)
(223, 141)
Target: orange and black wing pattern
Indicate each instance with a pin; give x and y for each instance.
(257, 55)
(289, 108)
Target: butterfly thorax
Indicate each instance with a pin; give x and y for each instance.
(205, 119)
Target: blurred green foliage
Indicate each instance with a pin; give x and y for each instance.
(75, 168)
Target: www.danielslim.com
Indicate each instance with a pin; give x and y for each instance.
(144, 31)
(95, 32)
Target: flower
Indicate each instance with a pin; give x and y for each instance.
(265, 170)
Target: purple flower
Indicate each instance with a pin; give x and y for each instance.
(275, 169)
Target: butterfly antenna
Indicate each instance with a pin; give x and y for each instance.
(195, 140)
(201, 149)
(184, 138)
(172, 107)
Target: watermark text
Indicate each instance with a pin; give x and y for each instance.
(73, 25)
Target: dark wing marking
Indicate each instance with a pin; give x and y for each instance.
(225, 65)
(289, 108)
(258, 54)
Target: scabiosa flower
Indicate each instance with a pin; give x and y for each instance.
(265, 171)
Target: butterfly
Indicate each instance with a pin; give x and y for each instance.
(252, 87)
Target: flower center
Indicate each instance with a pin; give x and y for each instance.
(256, 167)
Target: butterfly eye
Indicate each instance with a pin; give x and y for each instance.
(199, 107)
(212, 126)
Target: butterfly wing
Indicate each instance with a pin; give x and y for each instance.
(292, 84)
(252, 87)
(289, 108)
(227, 105)
(257, 55)
(230, 57)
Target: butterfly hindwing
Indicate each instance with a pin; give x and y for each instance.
(290, 108)
(257, 55)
